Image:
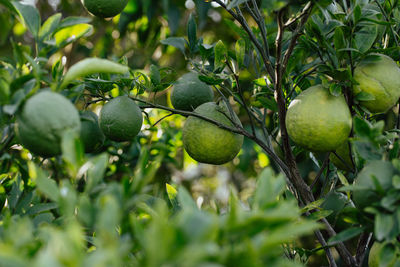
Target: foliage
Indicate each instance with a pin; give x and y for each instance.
(133, 203)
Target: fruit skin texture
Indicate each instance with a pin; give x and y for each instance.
(105, 8)
(206, 142)
(189, 92)
(381, 79)
(121, 119)
(317, 120)
(43, 120)
(344, 152)
(91, 135)
(383, 171)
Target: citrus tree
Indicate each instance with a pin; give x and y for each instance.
(90, 146)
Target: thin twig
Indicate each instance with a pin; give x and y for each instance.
(321, 170)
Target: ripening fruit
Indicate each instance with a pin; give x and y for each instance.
(91, 135)
(43, 120)
(206, 142)
(121, 119)
(317, 120)
(105, 8)
(380, 78)
(189, 92)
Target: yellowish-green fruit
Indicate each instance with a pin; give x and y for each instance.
(43, 120)
(91, 135)
(381, 79)
(206, 142)
(189, 92)
(121, 119)
(383, 172)
(105, 8)
(317, 120)
(345, 163)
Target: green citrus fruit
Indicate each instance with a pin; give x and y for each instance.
(344, 152)
(121, 119)
(381, 79)
(105, 8)
(43, 120)
(318, 120)
(189, 92)
(206, 142)
(91, 135)
(383, 172)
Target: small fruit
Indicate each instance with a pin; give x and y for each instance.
(318, 120)
(206, 142)
(43, 120)
(105, 8)
(189, 92)
(382, 171)
(91, 135)
(121, 119)
(344, 163)
(380, 78)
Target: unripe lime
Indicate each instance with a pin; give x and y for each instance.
(105, 8)
(381, 79)
(43, 120)
(91, 135)
(121, 119)
(383, 172)
(206, 142)
(189, 92)
(342, 151)
(318, 120)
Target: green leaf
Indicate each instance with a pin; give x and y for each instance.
(30, 16)
(384, 224)
(240, 51)
(70, 34)
(172, 196)
(192, 33)
(269, 187)
(95, 168)
(72, 151)
(44, 184)
(364, 96)
(71, 21)
(362, 127)
(91, 66)
(220, 53)
(185, 199)
(346, 235)
(177, 42)
(155, 75)
(49, 26)
(365, 37)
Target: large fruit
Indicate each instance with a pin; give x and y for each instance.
(380, 78)
(43, 120)
(105, 8)
(345, 162)
(206, 142)
(366, 195)
(318, 120)
(91, 135)
(121, 119)
(189, 92)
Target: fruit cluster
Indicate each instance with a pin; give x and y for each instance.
(47, 115)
